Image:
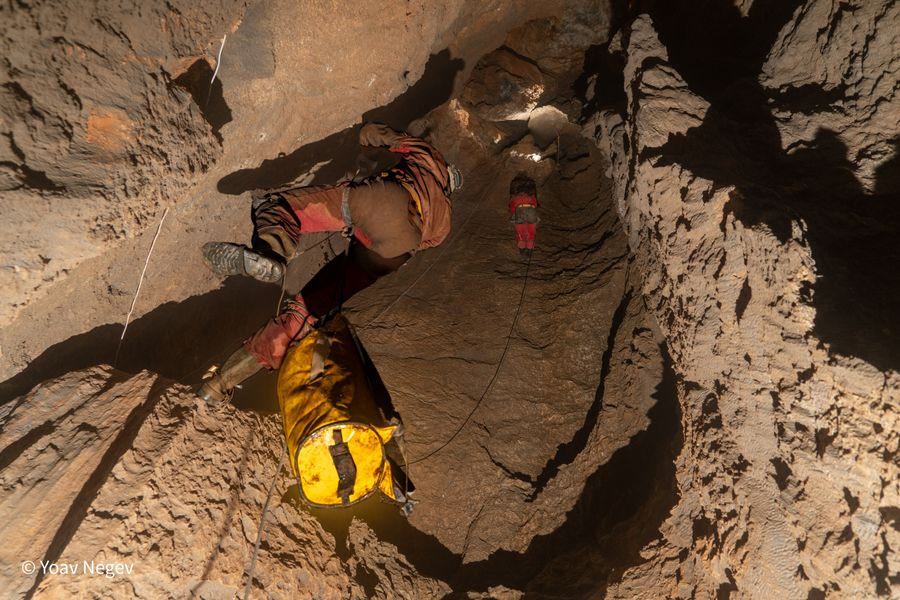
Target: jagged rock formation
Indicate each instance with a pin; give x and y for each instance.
(145, 475)
(692, 394)
(788, 480)
(94, 112)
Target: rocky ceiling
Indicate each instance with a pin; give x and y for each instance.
(691, 391)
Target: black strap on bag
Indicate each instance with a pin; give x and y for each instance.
(344, 465)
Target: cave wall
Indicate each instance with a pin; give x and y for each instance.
(744, 214)
(135, 470)
(753, 170)
(96, 133)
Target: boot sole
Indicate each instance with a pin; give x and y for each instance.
(230, 259)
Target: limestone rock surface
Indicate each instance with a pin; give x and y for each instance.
(788, 479)
(103, 469)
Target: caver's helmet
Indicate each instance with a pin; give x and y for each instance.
(456, 178)
(522, 184)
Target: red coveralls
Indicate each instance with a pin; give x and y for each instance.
(523, 213)
(393, 218)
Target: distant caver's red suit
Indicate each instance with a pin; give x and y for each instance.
(523, 205)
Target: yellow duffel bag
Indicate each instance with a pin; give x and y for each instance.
(335, 432)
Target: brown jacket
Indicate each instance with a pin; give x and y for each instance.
(424, 170)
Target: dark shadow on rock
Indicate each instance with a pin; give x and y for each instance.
(342, 148)
(887, 175)
(425, 552)
(258, 394)
(177, 340)
(208, 96)
(567, 452)
(605, 72)
(620, 511)
(852, 235)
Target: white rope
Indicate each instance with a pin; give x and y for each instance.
(140, 283)
(262, 522)
(218, 60)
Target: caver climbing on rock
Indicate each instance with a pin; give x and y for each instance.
(390, 217)
(523, 205)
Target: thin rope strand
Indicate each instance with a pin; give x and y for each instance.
(493, 379)
(216, 72)
(262, 522)
(140, 283)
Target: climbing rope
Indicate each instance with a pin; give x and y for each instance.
(493, 378)
(262, 521)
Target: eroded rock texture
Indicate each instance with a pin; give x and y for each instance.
(99, 129)
(137, 471)
(743, 189)
(690, 391)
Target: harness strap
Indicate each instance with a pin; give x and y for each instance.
(345, 213)
(344, 465)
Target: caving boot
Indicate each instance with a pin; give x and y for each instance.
(220, 382)
(231, 259)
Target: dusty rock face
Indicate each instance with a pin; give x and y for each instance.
(844, 82)
(690, 391)
(788, 480)
(145, 475)
(96, 132)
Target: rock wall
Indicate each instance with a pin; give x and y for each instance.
(742, 227)
(97, 129)
(135, 471)
(751, 150)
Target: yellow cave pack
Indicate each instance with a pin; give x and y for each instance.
(335, 432)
